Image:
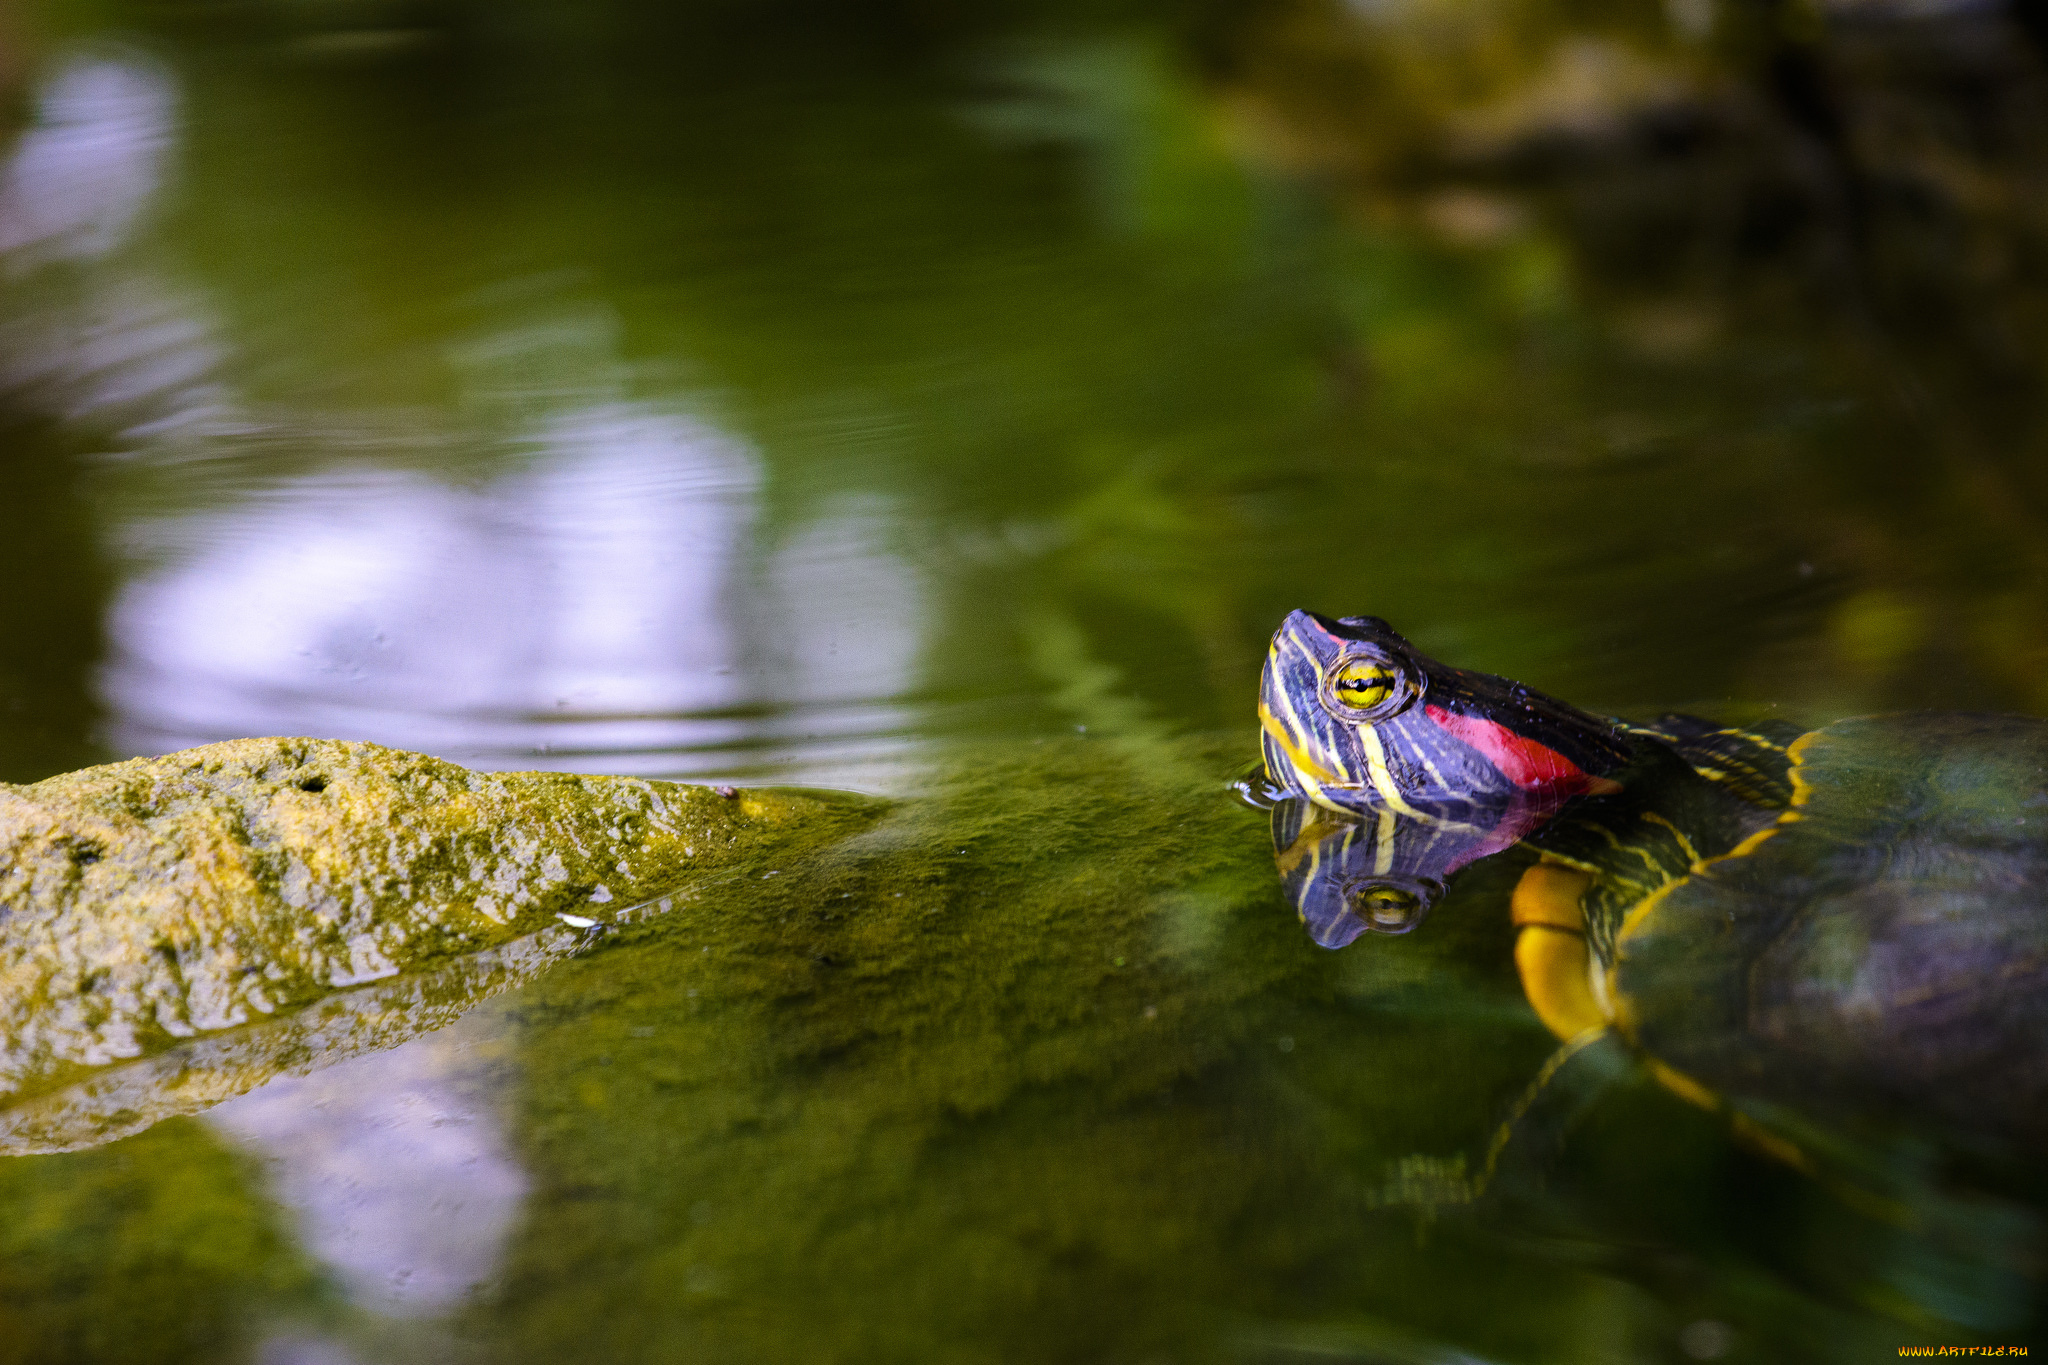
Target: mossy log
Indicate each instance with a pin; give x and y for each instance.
(185, 912)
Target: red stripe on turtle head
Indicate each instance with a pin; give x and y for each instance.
(1529, 765)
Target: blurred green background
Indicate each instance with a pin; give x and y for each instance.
(882, 394)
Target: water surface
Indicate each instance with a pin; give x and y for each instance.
(947, 405)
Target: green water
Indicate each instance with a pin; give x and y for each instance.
(946, 402)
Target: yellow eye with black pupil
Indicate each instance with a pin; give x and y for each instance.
(1366, 687)
(1363, 684)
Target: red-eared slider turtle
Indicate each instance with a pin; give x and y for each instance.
(1850, 922)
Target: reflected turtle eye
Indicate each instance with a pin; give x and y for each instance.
(1387, 904)
(1393, 905)
(1368, 687)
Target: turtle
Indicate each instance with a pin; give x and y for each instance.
(1846, 924)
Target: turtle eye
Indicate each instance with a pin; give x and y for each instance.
(1393, 906)
(1363, 684)
(1388, 904)
(1368, 687)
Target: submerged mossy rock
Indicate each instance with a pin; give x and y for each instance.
(191, 897)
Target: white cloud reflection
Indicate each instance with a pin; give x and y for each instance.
(394, 1167)
(604, 603)
(848, 618)
(90, 329)
(300, 1348)
(607, 607)
(94, 156)
(582, 604)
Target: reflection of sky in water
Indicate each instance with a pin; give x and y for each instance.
(598, 611)
(606, 602)
(79, 178)
(580, 604)
(292, 1348)
(394, 1167)
(88, 332)
(837, 639)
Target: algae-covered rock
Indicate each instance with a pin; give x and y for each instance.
(189, 897)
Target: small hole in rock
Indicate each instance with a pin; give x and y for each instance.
(313, 784)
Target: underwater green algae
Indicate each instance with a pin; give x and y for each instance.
(157, 1251)
(182, 898)
(1032, 1073)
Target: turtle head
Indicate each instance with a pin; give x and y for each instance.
(1357, 719)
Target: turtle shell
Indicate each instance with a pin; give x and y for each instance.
(1880, 953)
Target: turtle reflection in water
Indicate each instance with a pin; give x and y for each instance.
(1844, 924)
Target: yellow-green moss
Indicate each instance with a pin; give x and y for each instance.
(204, 900)
(1039, 1068)
(154, 1251)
